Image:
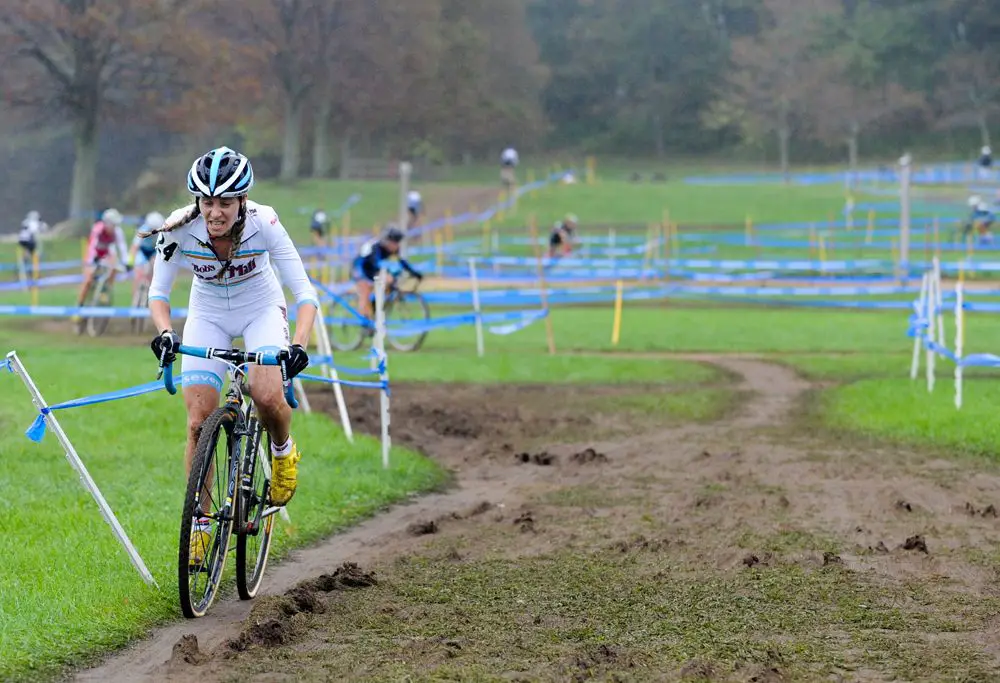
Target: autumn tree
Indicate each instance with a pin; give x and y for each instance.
(768, 87)
(970, 89)
(292, 39)
(97, 61)
(489, 76)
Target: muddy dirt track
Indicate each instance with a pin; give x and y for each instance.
(578, 545)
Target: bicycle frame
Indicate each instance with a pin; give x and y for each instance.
(235, 361)
(366, 322)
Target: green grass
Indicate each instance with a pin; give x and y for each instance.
(695, 405)
(68, 590)
(621, 202)
(707, 327)
(902, 411)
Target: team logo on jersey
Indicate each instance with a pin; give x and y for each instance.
(242, 269)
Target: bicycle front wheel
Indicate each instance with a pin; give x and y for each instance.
(103, 295)
(406, 309)
(82, 323)
(253, 539)
(140, 301)
(346, 332)
(207, 521)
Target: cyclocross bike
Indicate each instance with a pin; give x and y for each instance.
(231, 443)
(349, 328)
(99, 294)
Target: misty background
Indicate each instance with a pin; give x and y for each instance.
(106, 102)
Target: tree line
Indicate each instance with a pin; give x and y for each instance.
(311, 82)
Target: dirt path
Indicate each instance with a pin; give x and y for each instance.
(585, 545)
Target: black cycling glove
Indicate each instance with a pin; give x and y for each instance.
(167, 339)
(298, 360)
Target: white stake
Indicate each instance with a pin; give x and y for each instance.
(480, 350)
(323, 345)
(932, 314)
(922, 312)
(959, 341)
(940, 301)
(380, 352)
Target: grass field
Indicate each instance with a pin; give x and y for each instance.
(60, 546)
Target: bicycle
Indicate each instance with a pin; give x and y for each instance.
(349, 328)
(100, 293)
(140, 299)
(241, 502)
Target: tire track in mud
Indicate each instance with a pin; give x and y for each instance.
(746, 475)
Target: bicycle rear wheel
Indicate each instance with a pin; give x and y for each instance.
(403, 309)
(102, 295)
(346, 332)
(209, 488)
(253, 539)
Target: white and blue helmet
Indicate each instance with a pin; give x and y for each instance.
(222, 172)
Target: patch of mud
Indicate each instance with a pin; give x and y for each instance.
(831, 558)
(988, 511)
(640, 543)
(588, 455)
(590, 663)
(480, 420)
(525, 522)
(280, 619)
(186, 650)
(422, 528)
(916, 543)
(544, 458)
(698, 670)
(757, 560)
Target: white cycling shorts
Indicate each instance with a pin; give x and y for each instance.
(262, 330)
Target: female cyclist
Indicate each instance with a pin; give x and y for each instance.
(229, 244)
(144, 246)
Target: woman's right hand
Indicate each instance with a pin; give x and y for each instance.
(168, 340)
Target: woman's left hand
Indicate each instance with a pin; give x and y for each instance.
(298, 360)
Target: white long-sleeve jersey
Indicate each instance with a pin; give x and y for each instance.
(245, 283)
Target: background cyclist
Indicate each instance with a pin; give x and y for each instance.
(373, 255)
(27, 240)
(106, 238)
(561, 237)
(318, 226)
(508, 162)
(143, 250)
(415, 207)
